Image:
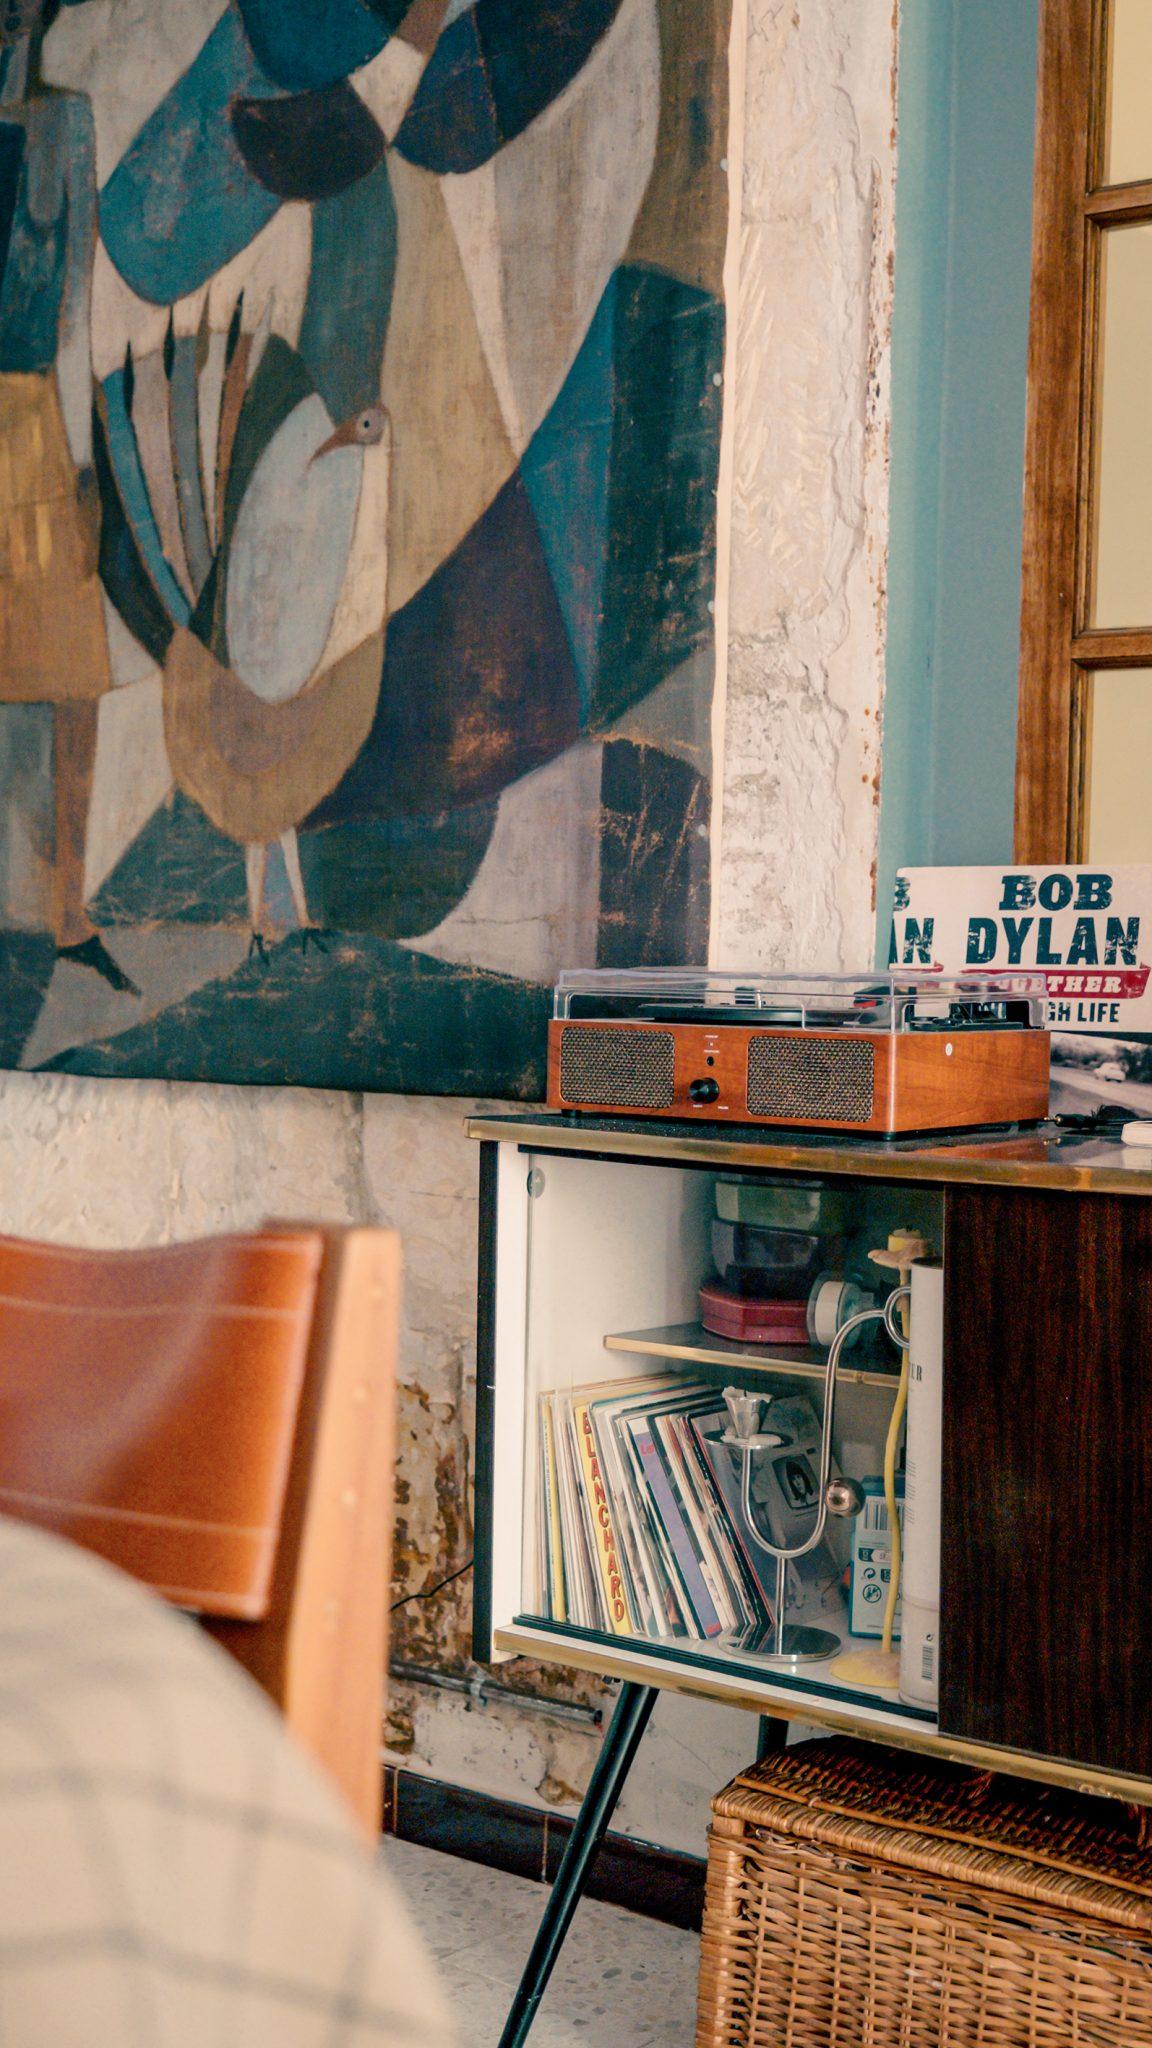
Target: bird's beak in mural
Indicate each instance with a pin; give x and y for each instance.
(343, 437)
(364, 430)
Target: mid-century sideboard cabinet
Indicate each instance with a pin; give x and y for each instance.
(594, 1242)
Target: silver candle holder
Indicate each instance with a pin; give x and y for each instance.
(795, 1642)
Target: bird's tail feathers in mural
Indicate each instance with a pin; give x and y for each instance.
(177, 435)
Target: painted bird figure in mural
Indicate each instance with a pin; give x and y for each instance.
(245, 543)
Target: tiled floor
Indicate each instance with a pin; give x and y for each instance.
(620, 1977)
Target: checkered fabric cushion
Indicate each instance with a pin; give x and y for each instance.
(173, 1871)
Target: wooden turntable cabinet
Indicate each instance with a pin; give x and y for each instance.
(882, 1054)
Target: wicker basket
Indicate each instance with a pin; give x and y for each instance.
(858, 1899)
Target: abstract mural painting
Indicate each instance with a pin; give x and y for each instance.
(360, 399)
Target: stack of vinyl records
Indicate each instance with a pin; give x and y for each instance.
(642, 1532)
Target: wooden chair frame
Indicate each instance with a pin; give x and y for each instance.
(320, 1652)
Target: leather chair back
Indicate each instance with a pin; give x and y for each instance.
(215, 1418)
(148, 1404)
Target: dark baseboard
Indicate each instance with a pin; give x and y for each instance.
(660, 1883)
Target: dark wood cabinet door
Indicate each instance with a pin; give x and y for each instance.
(1046, 1580)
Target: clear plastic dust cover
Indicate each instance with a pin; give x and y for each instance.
(899, 999)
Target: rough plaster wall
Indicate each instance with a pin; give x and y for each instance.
(806, 618)
(135, 1162)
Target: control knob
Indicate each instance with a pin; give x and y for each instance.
(703, 1091)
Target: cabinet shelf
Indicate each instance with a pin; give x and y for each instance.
(692, 1344)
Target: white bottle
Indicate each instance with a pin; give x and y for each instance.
(920, 1575)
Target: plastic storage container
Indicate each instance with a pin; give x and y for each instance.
(768, 1264)
(781, 1205)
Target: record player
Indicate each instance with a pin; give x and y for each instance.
(880, 1053)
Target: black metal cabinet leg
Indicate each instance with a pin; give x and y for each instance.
(772, 1737)
(613, 1764)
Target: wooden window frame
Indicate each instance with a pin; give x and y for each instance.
(1059, 652)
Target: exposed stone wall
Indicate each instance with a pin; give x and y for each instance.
(806, 610)
(134, 1162)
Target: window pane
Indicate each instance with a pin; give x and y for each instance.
(1128, 151)
(1120, 767)
(1123, 539)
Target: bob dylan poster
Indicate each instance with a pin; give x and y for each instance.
(360, 388)
(1087, 930)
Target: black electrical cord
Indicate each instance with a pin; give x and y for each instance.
(431, 1591)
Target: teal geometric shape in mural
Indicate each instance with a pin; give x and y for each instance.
(669, 354)
(305, 44)
(363, 1014)
(395, 877)
(181, 202)
(349, 298)
(566, 472)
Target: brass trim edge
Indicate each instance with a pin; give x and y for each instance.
(764, 1699)
(936, 1168)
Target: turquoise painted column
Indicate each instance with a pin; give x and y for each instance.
(959, 359)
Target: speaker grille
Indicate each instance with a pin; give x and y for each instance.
(633, 1069)
(828, 1079)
